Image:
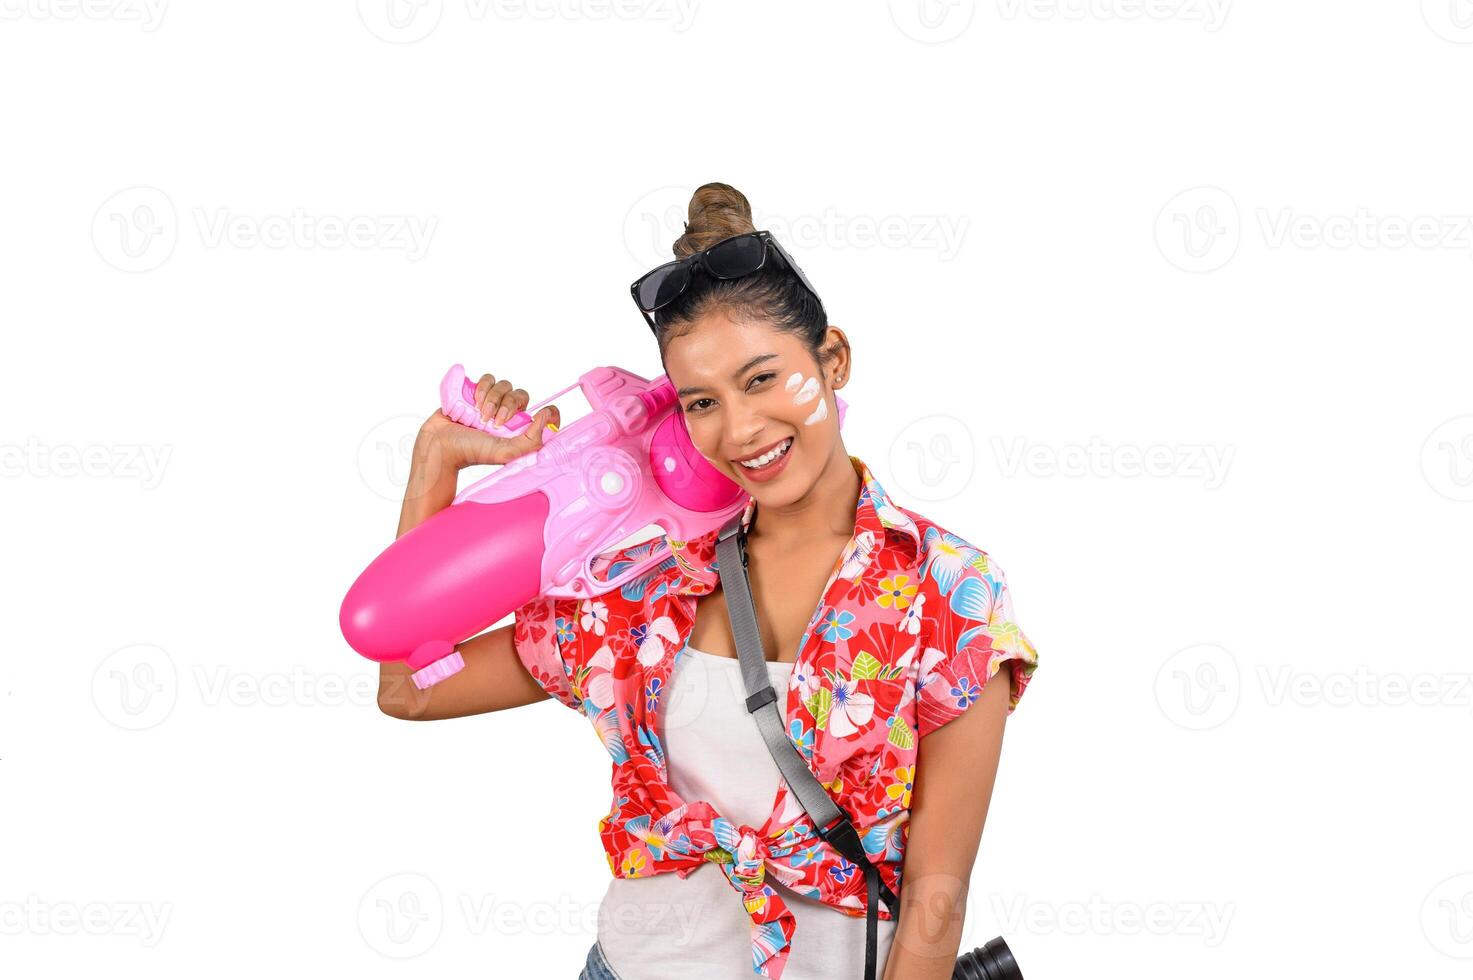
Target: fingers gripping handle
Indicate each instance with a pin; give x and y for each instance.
(458, 402)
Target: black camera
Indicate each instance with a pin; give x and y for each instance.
(993, 961)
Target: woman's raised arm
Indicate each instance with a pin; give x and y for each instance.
(493, 678)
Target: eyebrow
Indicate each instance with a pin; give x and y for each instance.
(734, 375)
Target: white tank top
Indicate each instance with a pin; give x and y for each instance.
(667, 928)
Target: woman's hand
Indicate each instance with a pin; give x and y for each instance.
(459, 446)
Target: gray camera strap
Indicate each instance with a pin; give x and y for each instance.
(830, 822)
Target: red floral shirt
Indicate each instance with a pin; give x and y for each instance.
(912, 623)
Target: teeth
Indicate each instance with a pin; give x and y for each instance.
(763, 460)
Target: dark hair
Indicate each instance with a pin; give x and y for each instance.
(716, 213)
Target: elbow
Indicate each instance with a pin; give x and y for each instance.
(397, 696)
(401, 704)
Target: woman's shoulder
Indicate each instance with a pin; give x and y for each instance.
(935, 541)
(967, 628)
(965, 578)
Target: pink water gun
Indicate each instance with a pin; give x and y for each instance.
(534, 526)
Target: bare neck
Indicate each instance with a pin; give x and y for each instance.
(826, 511)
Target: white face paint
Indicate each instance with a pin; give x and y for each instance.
(820, 412)
(807, 392)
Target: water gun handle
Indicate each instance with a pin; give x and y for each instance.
(458, 401)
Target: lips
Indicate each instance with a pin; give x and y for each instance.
(764, 450)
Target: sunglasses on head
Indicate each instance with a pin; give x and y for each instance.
(730, 258)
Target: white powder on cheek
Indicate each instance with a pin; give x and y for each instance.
(794, 380)
(820, 413)
(807, 393)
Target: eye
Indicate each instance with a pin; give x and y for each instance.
(762, 376)
(695, 406)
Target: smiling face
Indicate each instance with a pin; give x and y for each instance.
(746, 388)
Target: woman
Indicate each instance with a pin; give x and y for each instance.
(880, 628)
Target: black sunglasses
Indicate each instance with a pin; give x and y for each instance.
(730, 258)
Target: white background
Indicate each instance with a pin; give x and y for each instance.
(1082, 251)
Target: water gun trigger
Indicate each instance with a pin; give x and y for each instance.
(638, 569)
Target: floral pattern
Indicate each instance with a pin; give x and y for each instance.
(912, 624)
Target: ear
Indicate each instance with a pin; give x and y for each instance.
(838, 359)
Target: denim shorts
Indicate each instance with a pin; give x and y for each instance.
(597, 968)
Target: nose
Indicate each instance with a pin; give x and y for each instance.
(740, 428)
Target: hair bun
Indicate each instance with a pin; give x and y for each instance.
(717, 212)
